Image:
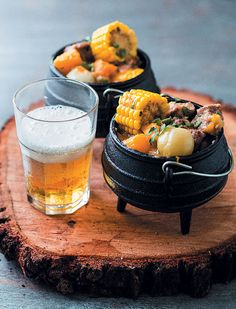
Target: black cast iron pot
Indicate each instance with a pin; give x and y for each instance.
(162, 184)
(107, 104)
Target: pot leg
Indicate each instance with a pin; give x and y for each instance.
(121, 204)
(185, 221)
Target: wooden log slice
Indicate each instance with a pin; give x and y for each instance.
(104, 252)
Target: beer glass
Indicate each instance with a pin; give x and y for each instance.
(56, 124)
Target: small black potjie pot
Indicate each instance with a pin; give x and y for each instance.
(162, 184)
(107, 104)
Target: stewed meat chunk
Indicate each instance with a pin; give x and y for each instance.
(210, 109)
(186, 109)
(84, 48)
(198, 137)
(209, 119)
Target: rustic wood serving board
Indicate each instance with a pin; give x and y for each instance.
(103, 252)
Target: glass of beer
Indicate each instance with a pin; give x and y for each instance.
(56, 125)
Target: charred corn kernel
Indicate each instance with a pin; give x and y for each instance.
(139, 107)
(139, 142)
(215, 125)
(68, 60)
(114, 42)
(126, 75)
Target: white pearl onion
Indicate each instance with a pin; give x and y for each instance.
(175, 142)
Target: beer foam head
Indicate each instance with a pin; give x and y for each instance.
(55, 131)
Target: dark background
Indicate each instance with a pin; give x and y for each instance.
(192, 44)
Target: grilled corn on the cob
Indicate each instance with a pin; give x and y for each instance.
(138, 107)
(114, 42)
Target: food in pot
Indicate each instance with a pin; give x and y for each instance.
(109, 57)
(171, 126)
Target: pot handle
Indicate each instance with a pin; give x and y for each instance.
(167, 164)
(168, 181)
(110, 104)
(108, 92)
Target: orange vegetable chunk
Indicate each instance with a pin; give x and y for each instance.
(65, 62)
(103, 68)
(139, 142)
(215, 125)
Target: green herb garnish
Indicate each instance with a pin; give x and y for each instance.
(115, 45)
(153, 138)
(104, 81)
(187, 123)
(157, 121)
(151, 130)
(197, 124)
(88, 66)
(121, 53)
(154, 132)
(178, 100)
(91, 65)
(186, 111)
(167, 120)
(162, 129)
(175, 125)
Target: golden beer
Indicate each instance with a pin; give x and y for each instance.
(56, 158)
(63, 183)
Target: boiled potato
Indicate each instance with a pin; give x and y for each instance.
(81, 74)
(175, 142)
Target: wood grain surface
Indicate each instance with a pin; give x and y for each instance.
(103, 251)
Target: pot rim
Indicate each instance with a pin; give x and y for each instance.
(146, 157)
(147, 63)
